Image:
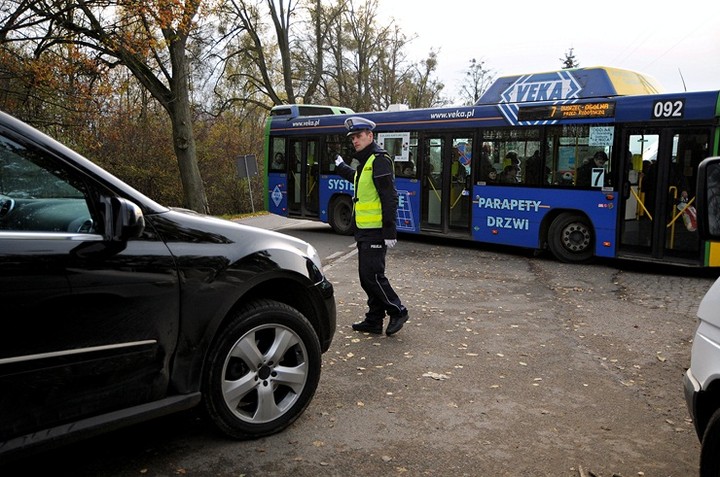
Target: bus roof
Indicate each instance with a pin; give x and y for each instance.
(573, 83)
(594, 94)
(698, 106)
(296, 110)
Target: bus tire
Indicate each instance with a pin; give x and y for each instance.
(340, 215)
(571, 238)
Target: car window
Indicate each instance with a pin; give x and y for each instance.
(40, 194)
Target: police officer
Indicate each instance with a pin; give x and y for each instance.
(374, 213)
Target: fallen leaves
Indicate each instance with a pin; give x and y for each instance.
(436, 376)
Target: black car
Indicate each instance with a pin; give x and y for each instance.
(115, 309)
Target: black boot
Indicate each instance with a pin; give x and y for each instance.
(366, 326)
(396, 323)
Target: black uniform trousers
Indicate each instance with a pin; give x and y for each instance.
(382, 298)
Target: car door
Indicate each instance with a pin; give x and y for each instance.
(88, 322)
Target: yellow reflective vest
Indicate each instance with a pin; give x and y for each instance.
(368, 209)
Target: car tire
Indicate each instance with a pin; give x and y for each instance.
(710, 451)
(571, 238)
(340, 218)
(262, 370)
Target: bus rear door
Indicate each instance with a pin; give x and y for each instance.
(659, 194)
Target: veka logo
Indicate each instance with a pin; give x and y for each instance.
(556, 86)
(542, 87)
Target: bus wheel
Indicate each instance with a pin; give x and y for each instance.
(340, 215)
(570, 238)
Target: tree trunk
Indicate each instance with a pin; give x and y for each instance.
(184, 144)
(182, 130)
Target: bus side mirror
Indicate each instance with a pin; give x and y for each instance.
(708, 199)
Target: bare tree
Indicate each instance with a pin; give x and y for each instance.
(569, 61)
(148, 38)
(312, 50)
(477, 81)
(371, 67)
(262, 63)
(315, 51)
(428, 91)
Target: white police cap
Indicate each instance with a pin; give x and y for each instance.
(356, 124)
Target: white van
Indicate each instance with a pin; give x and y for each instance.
(702, 380)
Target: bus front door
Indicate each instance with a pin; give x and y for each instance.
(445, 162)
(303, 176)
(659, 194)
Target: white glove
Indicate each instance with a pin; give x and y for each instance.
(390, 243)
(339, 160)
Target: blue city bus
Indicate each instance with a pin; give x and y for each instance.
(525, 166)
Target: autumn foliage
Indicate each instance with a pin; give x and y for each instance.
(167, 94)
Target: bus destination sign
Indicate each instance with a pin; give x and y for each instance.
(604, 109)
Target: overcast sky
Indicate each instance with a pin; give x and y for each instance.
(669, 41)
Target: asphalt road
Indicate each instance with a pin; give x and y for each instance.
(510, 365)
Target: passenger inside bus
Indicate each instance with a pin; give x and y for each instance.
(511, 159)
(509, 175)
(409, 169)
(584, 172)
(459, 171)
(535, 172)
(648, 184)
(678, 179)
(405, 168)
(278, 162)
(486, 168)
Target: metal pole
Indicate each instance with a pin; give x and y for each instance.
(247, 174)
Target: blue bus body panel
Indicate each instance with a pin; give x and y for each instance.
(514, 216)
(408, 214)
(698, 106)
(330, 186)
(277, 190)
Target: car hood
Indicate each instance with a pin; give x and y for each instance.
(183, 226)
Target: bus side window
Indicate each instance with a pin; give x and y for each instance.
(336, 145)
(277, 159)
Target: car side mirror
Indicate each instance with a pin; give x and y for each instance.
(123, 219)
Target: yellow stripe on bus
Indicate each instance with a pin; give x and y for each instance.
(714, 254)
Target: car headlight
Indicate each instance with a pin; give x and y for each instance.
(314, 264)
